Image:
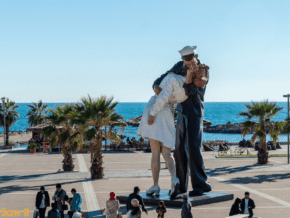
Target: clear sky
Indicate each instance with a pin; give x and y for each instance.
(60, 51)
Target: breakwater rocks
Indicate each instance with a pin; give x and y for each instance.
(230, 128)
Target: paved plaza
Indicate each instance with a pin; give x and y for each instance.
(22, 174)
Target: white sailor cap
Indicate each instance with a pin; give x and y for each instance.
(187, 50)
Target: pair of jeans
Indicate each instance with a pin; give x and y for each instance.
(42, 212)
(61, 214)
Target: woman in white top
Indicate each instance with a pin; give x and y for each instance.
(162, 132)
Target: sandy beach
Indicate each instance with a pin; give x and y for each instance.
(22, 139)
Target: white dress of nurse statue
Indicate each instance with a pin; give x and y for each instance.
(161, 133)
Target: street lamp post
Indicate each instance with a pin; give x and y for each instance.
(105, 138)
(4, 114)
(287, 96)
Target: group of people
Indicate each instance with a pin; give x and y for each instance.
(133, 142)
(60, 197)
(244, 206)
(37, 139)
(135, 206)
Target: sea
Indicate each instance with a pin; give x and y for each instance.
(216, 112)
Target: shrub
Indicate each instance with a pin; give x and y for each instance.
(85, 145)
(32, 145)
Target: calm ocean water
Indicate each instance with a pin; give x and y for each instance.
(216, 112)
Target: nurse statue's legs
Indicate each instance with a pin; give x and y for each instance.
(155, 166)
(166, 153)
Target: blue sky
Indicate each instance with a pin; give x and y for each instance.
(60, 51)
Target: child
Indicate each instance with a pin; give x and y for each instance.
(136, 211)
(161, 210)
(186, 208)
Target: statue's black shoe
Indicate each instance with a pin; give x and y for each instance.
(182, 191)
(195, 193)
(174, 194)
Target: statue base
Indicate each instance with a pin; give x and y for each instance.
(206, 198)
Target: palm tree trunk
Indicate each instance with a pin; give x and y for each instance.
(67, 161)
(97, 170)
(7, 135)
(263, 152)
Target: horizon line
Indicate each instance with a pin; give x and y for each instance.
(147, 102)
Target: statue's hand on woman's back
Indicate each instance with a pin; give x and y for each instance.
(150, 120)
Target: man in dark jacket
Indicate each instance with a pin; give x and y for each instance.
(136, 195)
(248, 205)
(189, 128)
(42, 202)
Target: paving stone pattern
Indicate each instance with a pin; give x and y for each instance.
(138, 173)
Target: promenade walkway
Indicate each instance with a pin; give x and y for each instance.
(22, 174)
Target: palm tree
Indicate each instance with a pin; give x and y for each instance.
(68, 137)
(10, 117)
(262, 112)
(80, 126)
(37, 113)
(97, 114)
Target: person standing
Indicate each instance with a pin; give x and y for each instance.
(248, 205)
(161, 210)
(186, 208)
(135, 195)
(59, 196)
(112, 207)
(42, 201)
(75, 203)
(189, 128)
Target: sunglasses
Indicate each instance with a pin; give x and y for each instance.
(188, 57)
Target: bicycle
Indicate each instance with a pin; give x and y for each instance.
(223, 150)
(240, 151)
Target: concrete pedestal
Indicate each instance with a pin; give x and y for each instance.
(206, 198)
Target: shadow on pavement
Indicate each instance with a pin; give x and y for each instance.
(258, 179)
(229, 170)
(36, 188)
